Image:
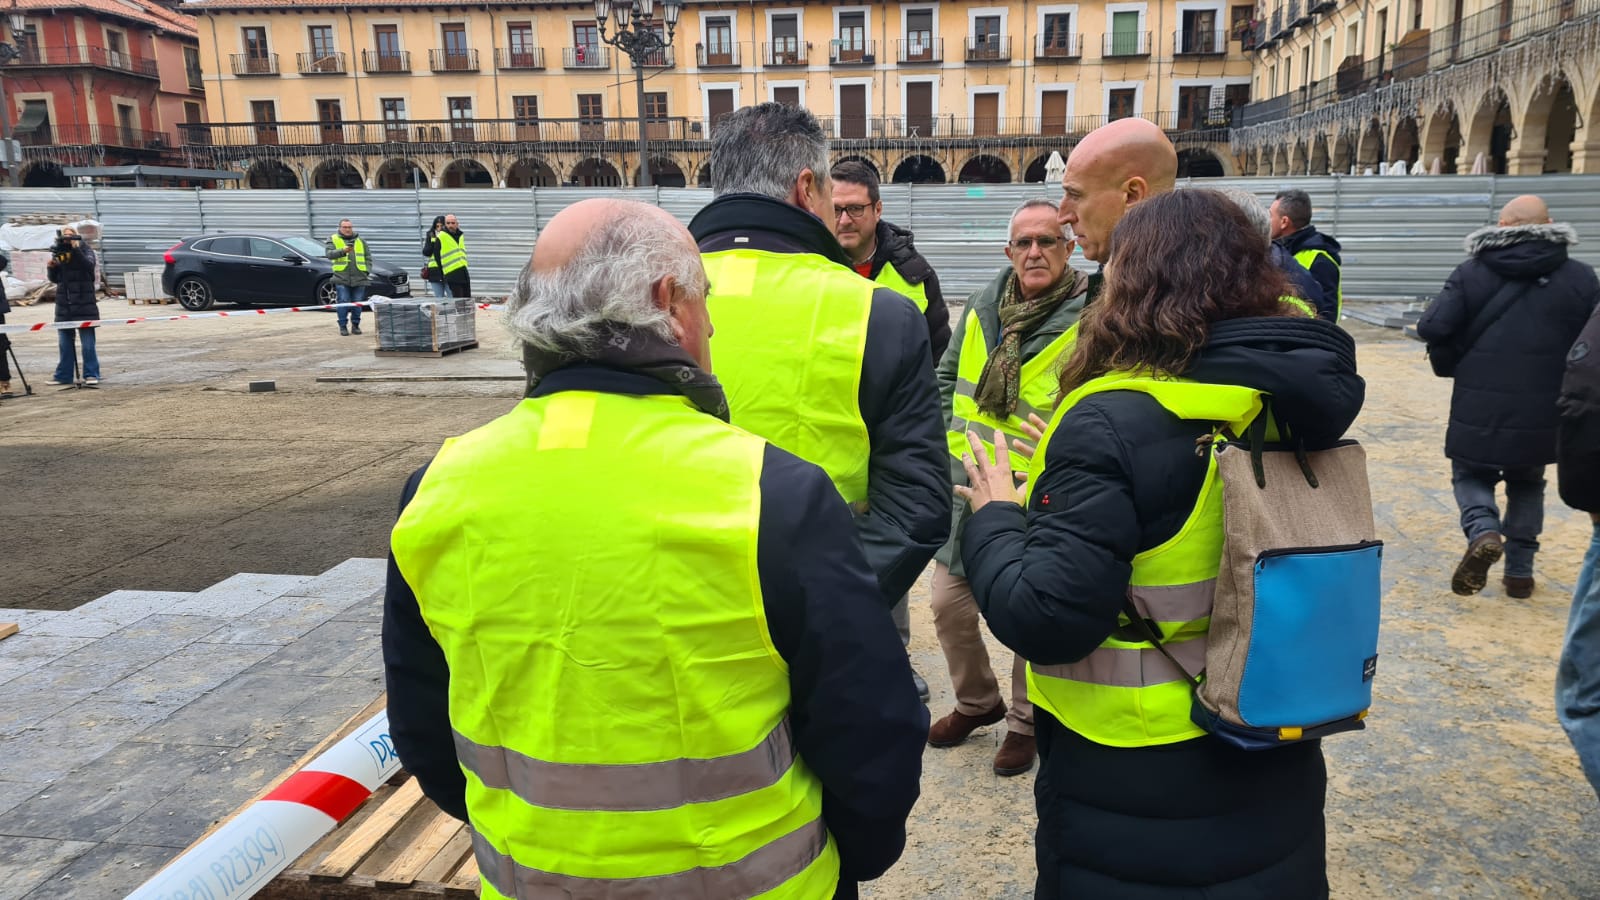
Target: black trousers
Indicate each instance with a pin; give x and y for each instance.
(462, 288)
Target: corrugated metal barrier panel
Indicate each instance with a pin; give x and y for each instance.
(1401, 235)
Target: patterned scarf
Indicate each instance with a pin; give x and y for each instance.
(1000, 385)
(642, 351)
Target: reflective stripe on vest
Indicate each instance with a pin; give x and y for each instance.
(636, 622)
(791, 334)
(1036, 395)
(452, 253)
(1307, 257)
(360, 254)
(893, 280)
(1125, 693)
(1299, 304)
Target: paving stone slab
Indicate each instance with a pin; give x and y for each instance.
(249, 705)
(352, 580)
(109, 870)
(368, 610)
(24, 703)
(332, 648)
(22, 653)
(188, 673)
(97, 800)
(239, 594)
(280, 621)
(127, 607)
(25, 863)
(12, 793)
(321, 715)
(74, 737)
(25, 619)
(228, 779)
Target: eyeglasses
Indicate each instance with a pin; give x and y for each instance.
(1045, 242)
(854, 210)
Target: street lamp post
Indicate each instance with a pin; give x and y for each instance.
(8, 52)
(639, 42)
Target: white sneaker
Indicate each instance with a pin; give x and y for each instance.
(54, 383)
(91, 381)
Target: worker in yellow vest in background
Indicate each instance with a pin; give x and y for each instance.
(1292, 230)
(635, 646)
(998, 373)
(820, 361)
(453, 258)
(352, 270)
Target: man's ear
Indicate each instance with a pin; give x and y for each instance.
(804, 185)
(661, 294)
(1136, 189)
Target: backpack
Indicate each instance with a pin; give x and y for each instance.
(1293, 643)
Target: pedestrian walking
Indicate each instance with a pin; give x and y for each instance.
(1134, 799)
(1000, 372)
(663, 674)
(820, 361)
(452, 258)
(1320, 253)
(1507, 317)
(72, 269)
(1578, 475)
(432, 267)
(887, 254)
(352, 271)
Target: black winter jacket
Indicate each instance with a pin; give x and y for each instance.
(1304, 283)
(854, 712)
(1503, 405)
(908, 483)
(1196, 818)
(894, 245)
(1326, 273)
(74, 280)
(1578, 441)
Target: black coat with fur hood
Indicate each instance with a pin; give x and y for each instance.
(1503, 409)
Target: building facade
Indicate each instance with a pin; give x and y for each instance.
(391, 93)
(100, 83)
(1452, 86)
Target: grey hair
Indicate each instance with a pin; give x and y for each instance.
(1253, 209)
(763, 149)
(1031, 203)
(608, 282)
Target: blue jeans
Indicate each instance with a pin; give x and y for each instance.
(438, 289)
(69, 354)
(1524, 518)
(1578, 675)
(348, 294)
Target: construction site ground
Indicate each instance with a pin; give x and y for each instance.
(127, 727)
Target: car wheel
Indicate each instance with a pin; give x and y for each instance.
(327, 293)
(194, 294)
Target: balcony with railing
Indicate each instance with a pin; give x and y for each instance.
(988, 48)
(1202, 42)
(959, 129)
(1127, 44)
(320, 63)
(96, 135)
(519, 59)
(255, 64)
(786, 54)
(586, 56)
(717, 55)
(852, 52)
(1058, 46)
(1297, 15)
(91, 57)
(450, 60)
(386, 62)
(663, 58)
(920, 50)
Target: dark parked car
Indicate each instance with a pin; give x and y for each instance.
(258, 268)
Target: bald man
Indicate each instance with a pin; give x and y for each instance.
(572, 636)
(1507, 316)
(1111, 169)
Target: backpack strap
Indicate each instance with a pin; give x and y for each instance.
(1140, 628)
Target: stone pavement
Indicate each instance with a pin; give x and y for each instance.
(130, 724)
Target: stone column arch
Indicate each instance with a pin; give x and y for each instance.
(1546, 128)
(1442, 140)
(1406, 143)
(1489, 133)
(1299, 160)
(1370, 147)
(1280, 160)
(1319, 162)
(1343, 155)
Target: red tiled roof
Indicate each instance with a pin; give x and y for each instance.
(152, 14)
(202, 6)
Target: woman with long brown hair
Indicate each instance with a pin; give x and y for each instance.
(1134, 799)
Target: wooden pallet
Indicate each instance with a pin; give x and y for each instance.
(151, 301)
(7, 629)
(469, 345)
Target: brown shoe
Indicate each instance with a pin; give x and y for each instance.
(1473, 572)
(956, 727)
(1016, 754)
(1518, 586)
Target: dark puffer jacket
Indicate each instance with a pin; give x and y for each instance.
(895, 245)
(1578, 446)
(1325, 272)
(1197, 818)
(1503, 407)
(74, 280)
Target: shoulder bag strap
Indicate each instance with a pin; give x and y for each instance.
(1141, 629)
(1492, 311)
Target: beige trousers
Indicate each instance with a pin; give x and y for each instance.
(960, 628)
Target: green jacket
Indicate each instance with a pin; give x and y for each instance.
(984, 304)
(351, 275)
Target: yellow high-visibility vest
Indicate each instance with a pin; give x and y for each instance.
(1036, 394)
(452, 252)
(359, 252)
(894, 281)
(1307, 257)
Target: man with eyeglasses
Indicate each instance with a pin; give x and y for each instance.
(884, 252)
(816, 359)
(999, 373)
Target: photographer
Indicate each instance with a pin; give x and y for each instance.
(71, 268)
(5, 339)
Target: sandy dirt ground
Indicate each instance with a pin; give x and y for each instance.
(171, 476)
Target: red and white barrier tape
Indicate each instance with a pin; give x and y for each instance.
(221, 314)
(239, 858)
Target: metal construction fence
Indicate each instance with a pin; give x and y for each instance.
(1401, 235)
